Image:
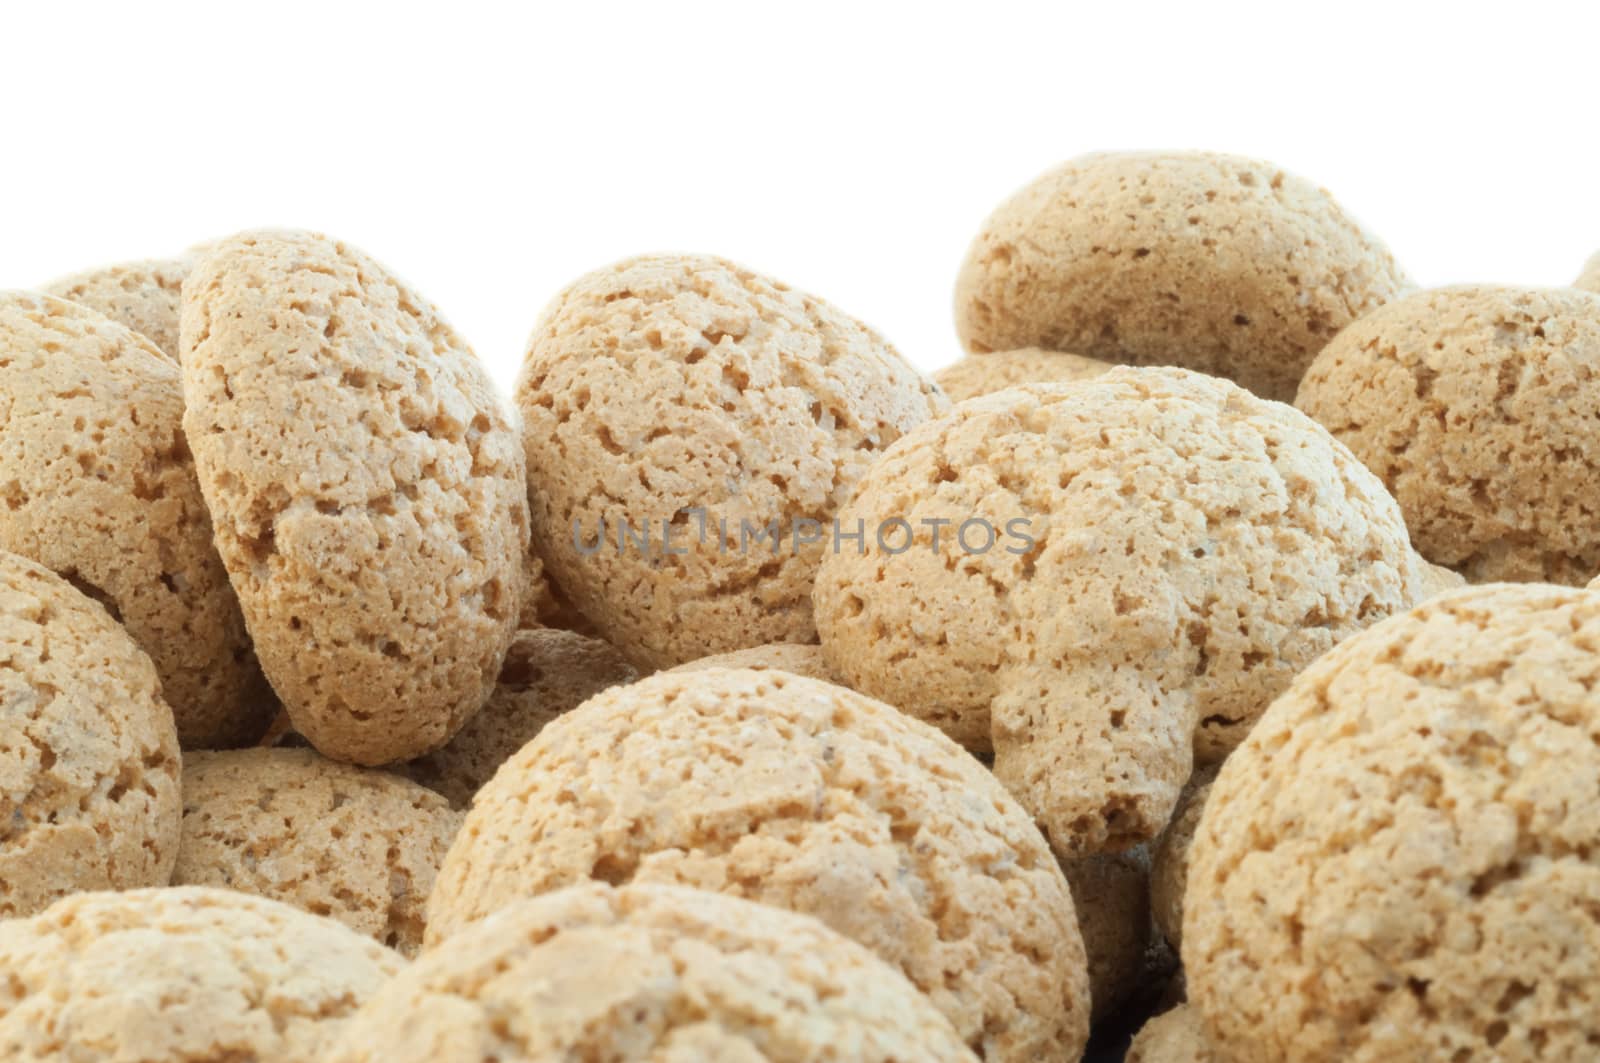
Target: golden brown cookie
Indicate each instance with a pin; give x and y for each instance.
(1127, 958)
(799, 658)
(802, 795)
(1474, 405)
(1589, 279)
(185, 975)
(1211, 262)
(1169, 866)
(366, 488)
(709, 420)
(88, 751)
(99, 486)
(1127, 571)
(1402, 861)
(1175, 1036)
(143, 296)
(649, 973)
(357, 844)
(982, 374)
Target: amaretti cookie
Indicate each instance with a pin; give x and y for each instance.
(357, 844)
(1107, 579)
(1169, 867)
(366, 488)
(690, 429)
(801, 795)
(88, 750)
(1175, 1036)
(1211, 262)
(1402, 861)
(649, 973)
(180, 976)
(1589, 279)
(800, 658)
(145, 296)
(1477, 407)
(1127, 957)
(981, 374)
(99, 486)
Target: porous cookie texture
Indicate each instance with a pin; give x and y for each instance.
(1128, 570)
(982, 374)
(1589, 279)
(185, 975)
(690, 429)
(1210, 262)
(88, 751)
(649, 973)
(366, 487)
(98, 486)
(799, 658)
(1403, 859)
(1169, 869)
(547, 672)
(1175, 1036)
(1127, 958)
(806, 796)
(1476, 406)
(144, 296)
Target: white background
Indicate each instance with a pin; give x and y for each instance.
(851, 149)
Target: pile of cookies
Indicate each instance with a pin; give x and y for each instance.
(1209, 645)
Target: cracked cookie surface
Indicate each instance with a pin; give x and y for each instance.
(981, 374)
(145, 296)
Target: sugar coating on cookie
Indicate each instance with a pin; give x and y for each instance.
(689, 427)
(802, 795)
(649, 972)
(1128, 569)
(1111, 894)
(1476, 406)
(1169, 865)
(180, 975)
(144, 296)
(99, 486)
(1211, 262)
(88, 750)
(1589, 279)
(1402, 861)
(366, 486)
(982, 374)
(1176, 1036)
(799, 658)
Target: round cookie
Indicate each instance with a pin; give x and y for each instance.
(1127, 958)
(983, 374)
(1402, 861)
(547, 672)
(144, 296)
(99, 486)
(1589, 279)
(1476, 406)
(686, 393)
(366, 488)
(88, 751)
(1175, 1036)
(180, 976)
(648, 973)
(799, 658)
(1169, 867)
(1211, 262)
(1157, 554)
(802, 795)
(357, 844)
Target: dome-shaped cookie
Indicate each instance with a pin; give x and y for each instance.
(1210, 262)
(366, 487)
(981, 374)
(1175, 1036)
(99, 486)
(799, 658)
(686, 393)
(805, 796)
(1127, 958)
(1169, 866)
(1589, 279)
(648, 973)
(1129, 569)
(144, 296)
(88, 751)
(1477, 407)
(180, 976)
(547, 672)
(1402, 861)
(357, 844)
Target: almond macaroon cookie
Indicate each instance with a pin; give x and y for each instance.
(1589, 279)
(980, 374)
(88, 750)
(145, 296)
(690, 429)
(1477, 407)
(801, 795)
(366, 487)
(649, 972)
(1211, 262)
(1402, 861)
(99, 486)
(1175, 1036)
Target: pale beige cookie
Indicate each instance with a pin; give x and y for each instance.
(357, 844)
(982, 374)
(185, 975)
(1475, 406)
(1589, 279)
(366, 487)
(649, 973)
(143, 296)
(1149, 557)
(1175, 1036)
(88, 752)
(802, 795)
(1169, 868)
(1402, 861)
(800, 658)
(683, 392)
(1211, 262)
(98, 486)
(547, 672)
(1127, 958)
